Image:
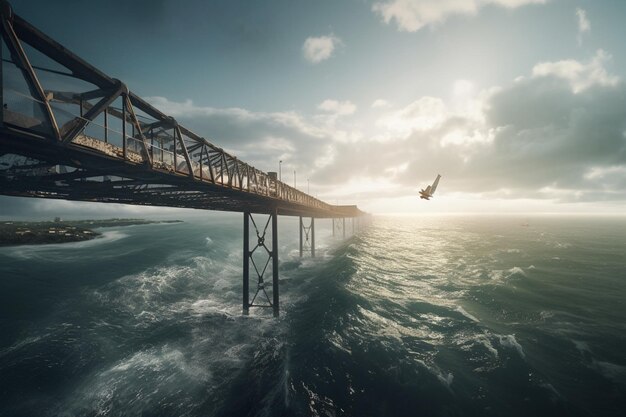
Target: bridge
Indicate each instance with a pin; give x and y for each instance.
(69, 131)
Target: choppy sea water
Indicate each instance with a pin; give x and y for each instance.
(433, 316)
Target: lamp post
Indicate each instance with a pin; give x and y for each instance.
(307, 186)
(294, 179)
(280, 163)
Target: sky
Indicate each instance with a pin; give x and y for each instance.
(520, 105)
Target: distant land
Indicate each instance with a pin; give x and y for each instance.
(61, 231)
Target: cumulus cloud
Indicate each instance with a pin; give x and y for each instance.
(538, 138)
(263, 138)
(583, 24)
(557, 134)
(380, 104)
(339, 108)
(318, 49)
(580, 75)
(412, 15)
(423, 114)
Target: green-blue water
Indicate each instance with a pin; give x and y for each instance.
(432, 316)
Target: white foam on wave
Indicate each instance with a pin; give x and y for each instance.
(171, 291)
(516, 270)
(28, 341)
(502, 274)
(483, 339)
(510, 342)
(466, 314)
(610, 370)
(562, 245)
(446, 379)
(138, 380)
(550, 388)
(581, 346)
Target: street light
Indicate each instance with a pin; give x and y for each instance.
(280, 170)
(307, 186)
(294, 179)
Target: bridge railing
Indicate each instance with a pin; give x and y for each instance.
(101, 115)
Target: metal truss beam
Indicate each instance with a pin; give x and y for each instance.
(307, 237)
(260, 270)
(216, 179)
(20, 58)
(71, 129)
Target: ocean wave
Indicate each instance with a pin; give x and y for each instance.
(546, 314)
(466, 314)
(610, 370)
(484, 340)
(163, 293)
(143, 379)
(503, 274)
(446, 378)
(510, 342)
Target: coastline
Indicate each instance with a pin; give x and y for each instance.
(17, 233)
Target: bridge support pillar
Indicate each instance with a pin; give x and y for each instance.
(260, 263)
(246, 263)
(274, 256)
(307, 237)
(339, 225)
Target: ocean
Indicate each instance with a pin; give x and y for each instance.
(411, 316)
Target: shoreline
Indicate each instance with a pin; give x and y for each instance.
(18, 233)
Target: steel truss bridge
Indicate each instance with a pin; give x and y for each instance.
(69, 131)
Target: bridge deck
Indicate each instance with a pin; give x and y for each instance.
(100, 142)
(44, 169)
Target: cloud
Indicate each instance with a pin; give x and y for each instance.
(318, 49)
(412, 15)
(263, 138)
(580, 75)
(423, 114)
(583, 24)
(380, 104)
(556, 134)
(539, 138)
(339, 108)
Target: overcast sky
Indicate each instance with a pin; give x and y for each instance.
(520, 105)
